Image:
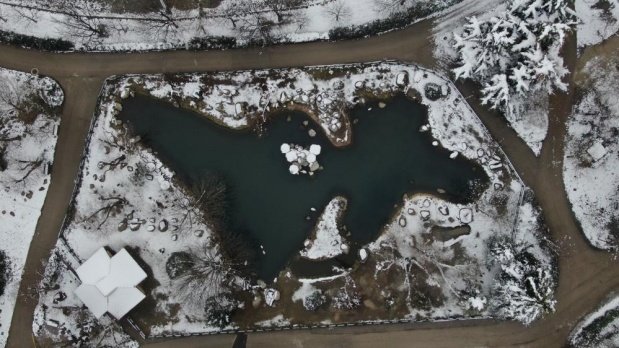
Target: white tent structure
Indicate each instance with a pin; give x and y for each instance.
(109, 284)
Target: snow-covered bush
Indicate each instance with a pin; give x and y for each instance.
(346, 299)
(314, 301)
(178, 263)
(516, 53)
(219, 310)
(524, 288)
(5, 271)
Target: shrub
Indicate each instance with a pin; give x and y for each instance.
(212, 43)
(397, 21)
(219, 310)
(5, 271)
(314, 301)
(27, 41)
(178, 263)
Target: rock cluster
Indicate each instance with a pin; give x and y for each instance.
(302, 160)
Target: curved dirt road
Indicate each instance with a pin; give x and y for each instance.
(586, 275)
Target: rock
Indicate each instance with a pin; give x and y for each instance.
(306, 123)
(435, 143)
(402, 221)
(311, 133)
(150, 228)
(440, 190)
(151, 220)
(363, 255)
(453, 155)
(481, 153)
(425, 215)
(163, 225)
(124, 94)
(261, 283)
(315, 149)
(314, 166)
(256, 301)
(294, 169)
(411, 211)
(175, 237)
(270, 296)
(426, 203)
(198, 233)
(466, 215)
(122, 226)
(382, 105)
(498, 186)
(443, 210)
(307, 243)
(344, 247)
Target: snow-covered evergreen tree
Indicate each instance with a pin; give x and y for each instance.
(516, 52)
(524, 289)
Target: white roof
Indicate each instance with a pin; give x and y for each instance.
(109, 284)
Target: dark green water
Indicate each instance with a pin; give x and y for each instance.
(388, 157)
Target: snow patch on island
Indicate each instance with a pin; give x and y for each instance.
(327, 241)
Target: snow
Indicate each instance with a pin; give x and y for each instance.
(591, 178)
(21, 201)
(128, 31)
(327, 240)
(303, 160)
(596, 24)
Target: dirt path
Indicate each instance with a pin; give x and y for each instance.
(586, 275)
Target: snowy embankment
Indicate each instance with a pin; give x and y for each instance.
(96, 26)
(29, 117)
(599, 20)
(529, 116)
(599, 328)
(591, 164)
(327, 241)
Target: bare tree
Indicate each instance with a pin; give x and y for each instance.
(279, 7)
(209, 275)
(232, 10)
(14, 97)
(392, 6)
(82, 22)
(28, 13)
(338, 10)
(111, 206)
(163, 22)
(257, 27)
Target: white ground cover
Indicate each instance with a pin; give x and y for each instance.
(531, 119)
(592, 185)
(596, 23)
(24, 148)
(307, 24)
(327, 241)
(591, 333)
(140, 192)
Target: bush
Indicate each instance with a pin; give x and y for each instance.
(5, 271)
(212, 43)
(346, 300)
(314, 301)
(219, 310)
(178, 263)
(27, 41)
(397, 21)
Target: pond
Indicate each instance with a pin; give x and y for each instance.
(388, 157)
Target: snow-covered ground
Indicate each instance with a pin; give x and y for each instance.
(307, 23)
(600, 328)
(327, 240)
(29, 107)
(127, 195)
(591, 164)
(598, 20)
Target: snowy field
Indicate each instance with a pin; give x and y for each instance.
(599, 328)
(598, 20)
(591, 168)
(436, 260)
(29, 117)
(129, 31)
